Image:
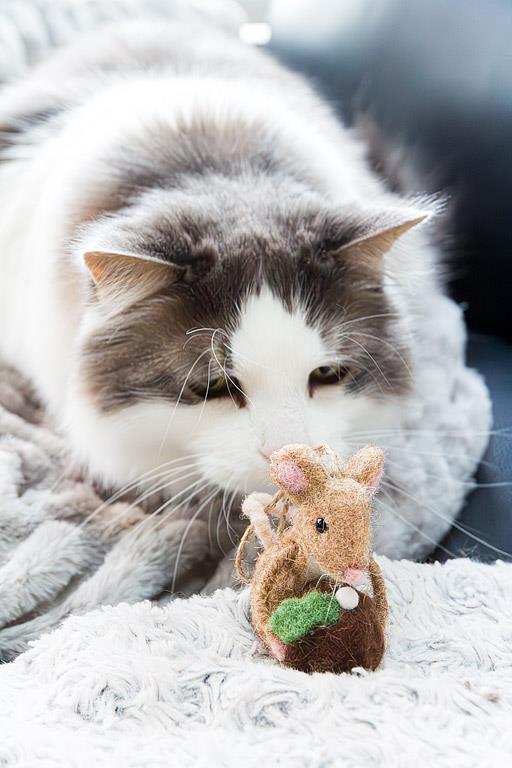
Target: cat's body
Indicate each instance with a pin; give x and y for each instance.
(257, 251)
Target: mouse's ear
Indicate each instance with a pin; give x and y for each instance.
(297, 470)
(366, 467)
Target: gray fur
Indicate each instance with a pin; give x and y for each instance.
(226, 201)
(235, 237)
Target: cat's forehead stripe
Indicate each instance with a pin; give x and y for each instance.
(272, 340)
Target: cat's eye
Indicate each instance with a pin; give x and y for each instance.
(321, 525)
(217, 387)
(326, 374)
(214, 388)
(221, 386)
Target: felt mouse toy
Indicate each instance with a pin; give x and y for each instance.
(308, 604)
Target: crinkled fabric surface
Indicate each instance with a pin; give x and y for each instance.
(185, 685)
(30, 29)
(63, 550)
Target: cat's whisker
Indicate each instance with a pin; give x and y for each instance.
(410, 524)
(222, 368)
(194, 517)
(206, 392)
(151, 492)
(387, 343)
(334, 356)
(117, 495)
(469, 483)
(345, 323)
(191, 489)
(374, 361)
(452, 523)
(247, 359)
(175, 465)
(169, 482)
(195, 492)
(226, 374)
(227, 513)
(355, 365)
(234, 495)
(180, 395)
(144, 477)
(376, 435)
(504, 432)
(356, 444)
(220, 518)
(194, 333)
(209, 523)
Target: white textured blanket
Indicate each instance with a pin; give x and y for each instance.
(183, 685)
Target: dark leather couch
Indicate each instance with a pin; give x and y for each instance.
(435, 76)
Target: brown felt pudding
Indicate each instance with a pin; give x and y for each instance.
(357, 640)
(322, 544)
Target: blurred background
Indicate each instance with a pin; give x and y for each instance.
(435, 79)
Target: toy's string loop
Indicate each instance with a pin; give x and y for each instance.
(283, 515)
(240, 554)
(249, 532)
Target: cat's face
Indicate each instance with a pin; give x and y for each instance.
(222, 344)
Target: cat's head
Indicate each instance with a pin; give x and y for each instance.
(221, 327)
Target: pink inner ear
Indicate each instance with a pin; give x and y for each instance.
(291, 476)
(374, 482)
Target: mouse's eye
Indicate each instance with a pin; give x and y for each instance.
(321, 525)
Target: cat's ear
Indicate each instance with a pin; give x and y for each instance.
(124, 278)
(368, 236)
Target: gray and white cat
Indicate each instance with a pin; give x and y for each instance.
(197, 264)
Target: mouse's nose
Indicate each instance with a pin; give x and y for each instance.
(354, 576)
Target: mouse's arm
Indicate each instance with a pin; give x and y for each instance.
(254, 507)
(379, 592)
(281, 577)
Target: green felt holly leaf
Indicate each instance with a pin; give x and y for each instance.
(294, 618)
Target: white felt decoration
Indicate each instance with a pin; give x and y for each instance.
(347, 597)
